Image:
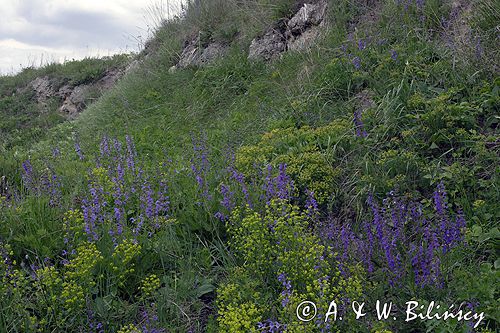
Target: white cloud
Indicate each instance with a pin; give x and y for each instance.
(53, 30)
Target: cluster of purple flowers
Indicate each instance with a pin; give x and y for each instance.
(278, 187)
(450, 232)
(78, 150)
(356, 61)
(287, 289)
(52, 186)
(200, 165)
(271, 326)
(407, 3)
(312, 205)
(277, 184)
(396, 226)
(149, 320)
(239, 178)
(94, 326)
(358, 124)
(28, 176)
(44, 183)
(227, 201)
(394, 55)
(130, 187)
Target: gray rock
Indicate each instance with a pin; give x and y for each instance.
(190, 54)
(268, 46)
(212, 52)
(43, 89)
(109, 79)
(304, 40)
(75, 102)
(64, 91)
(310, 14)
(195, 54)
(74, 99)
(297, 33)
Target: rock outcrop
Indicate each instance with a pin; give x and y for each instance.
(270, 44)
(43, 88)
(196, 53)
(74, 98)
(296, 33)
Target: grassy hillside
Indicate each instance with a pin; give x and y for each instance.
(218, 198)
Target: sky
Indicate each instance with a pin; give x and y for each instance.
(35, 32)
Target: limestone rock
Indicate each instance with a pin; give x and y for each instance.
(75, 102)
(269, 45)
(310, 14)
(304, 40)
(196, 54)
(296, 33)
(43, 89)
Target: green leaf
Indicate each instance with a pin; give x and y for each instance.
(204, 289)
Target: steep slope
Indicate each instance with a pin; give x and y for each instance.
(215, 191)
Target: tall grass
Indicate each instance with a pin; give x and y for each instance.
(240, 149)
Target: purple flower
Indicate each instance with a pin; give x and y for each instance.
(131, 153)
(92, 208)
(200, 166)
(361, 44)
(312, 205)
(28, 176)
(147, 200)
(52, 187)
(162, 204)
(93, 324)
(227, 201)
(368, 248)
(271, 326)
(394, 55)
(104, 147)
(78, 150)
(287, 292)
(240, 179)
(280, 187)
(149, 320)
(356, 61)
(56, 152)
(358, 124)
(343, 47)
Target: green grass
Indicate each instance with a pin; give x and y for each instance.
(432, 119)
(24, 121)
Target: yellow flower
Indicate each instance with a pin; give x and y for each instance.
(149, 285)
(130, 328)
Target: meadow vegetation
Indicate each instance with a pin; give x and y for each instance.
(218, 198)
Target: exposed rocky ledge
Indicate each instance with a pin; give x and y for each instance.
(198, 53)
(296, 33)
(74, 98)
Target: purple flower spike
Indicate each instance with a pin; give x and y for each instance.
(356, 61)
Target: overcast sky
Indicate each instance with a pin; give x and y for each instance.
(40, 31)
